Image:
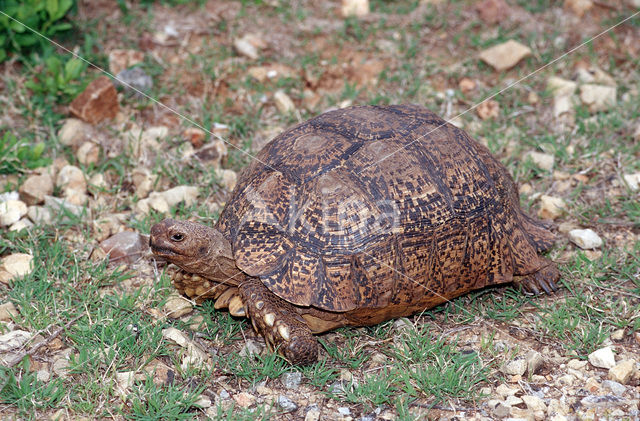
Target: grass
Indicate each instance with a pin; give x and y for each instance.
(446, 355)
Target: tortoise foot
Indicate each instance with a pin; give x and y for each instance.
(194, 286)
(277, 320)
(544, 280)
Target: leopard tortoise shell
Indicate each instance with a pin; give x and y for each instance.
(354, 217)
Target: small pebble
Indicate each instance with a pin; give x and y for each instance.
(286, 404)
(602, 358)
(615, 387)
(586, 239)
(291, 380)
(622, 371)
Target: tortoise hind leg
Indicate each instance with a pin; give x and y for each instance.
(544, 279)
(280, 324)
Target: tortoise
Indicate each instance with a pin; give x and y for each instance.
(354, 217)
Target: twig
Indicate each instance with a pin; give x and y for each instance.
(39, 345)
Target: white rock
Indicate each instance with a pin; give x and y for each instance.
(598, 97)
(516, 367)
(7, 311)
(622, 371)
(88, 153)
(561, 87)
(143, 181)
(534, 403)
(356, 8)
(124, 381)
(43, 376)
(39, 214)
(284, 104)
(551, 207)
(586, 239)
(246, 48)
(562, 105)
(14, 266)
(11, 211)
(203, 402)
(186, 194)
(535, 360)
(512, 400)
(14, 340)
(633, 180)
(594, 75)
(61, 205)
(71, 178)
(544, 161)
(155, 201)
(24, 223)
(578, 7)
(228, 178)
(636, 133)
(35, 188)
(506, 55)
(194, 354)
(98, 181)
(177, 306)
(504, 390)
(602, 358)
(73, 132)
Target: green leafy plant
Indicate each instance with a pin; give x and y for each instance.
(43, 16)
(16, 155)
(59, 80)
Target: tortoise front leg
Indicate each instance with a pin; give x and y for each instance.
(279, 322)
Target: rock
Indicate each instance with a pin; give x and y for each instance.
(155, 201)
(551, 207)
(488, 109)
(466, 85)
(11, 211)
(186, 194)
(512, 400)
(15, 266)
(577, 364)
(194, 355)
(622, 371)
(506, 55)
(291, 379)
(124, 382)
(598, 97)
(344, 411)
(177, 306)
(271, 71)
(213, 154)
(562, 105)
(7, 311)
(88, 153)
(120, 60)
(503, 390)
(228, 179)
(592, 385)
(251, 348)
(500, 410)
(203, 402)
(43, 376)
(593, 74)
(535, 361)
(135, 81)
(39, 214)
(543, 161)
(73, 132)
(35, 188)
(516, 367)
(354, 8)
(617, 335)
(14, 340)
(244, 47)
(97, 181)
(492, 11)
(244, 399)
(286, 404)
(125, 246)
(313, 413)
(606, 401)
(284, 104)
(586, 239)
(602, 358)
(578, 7)
(99, 101)
(71, 178)
(195, 136)
(561, 87)
(615, 387)
(143, 181)
(636, 133)
(534, 403)
(633, 180)
(24, 223)
(60, 205)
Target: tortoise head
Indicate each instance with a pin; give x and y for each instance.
(195, 248)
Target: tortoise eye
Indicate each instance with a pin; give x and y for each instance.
(177, 237)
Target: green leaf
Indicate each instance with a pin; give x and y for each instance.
(52, 8)
(3, 54)
(73, 68)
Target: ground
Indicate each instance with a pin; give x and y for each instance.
(85, 335)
